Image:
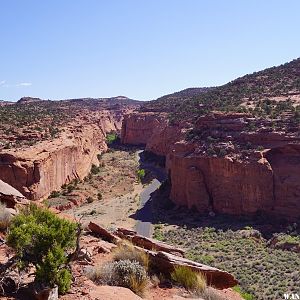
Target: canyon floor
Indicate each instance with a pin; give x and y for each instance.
(110, 194)
(113, 196)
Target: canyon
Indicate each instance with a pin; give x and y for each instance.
(237, 157)
(221, 152)
(39, 169)
(242, 182)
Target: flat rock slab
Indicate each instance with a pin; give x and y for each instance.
(112, 293)
(166, 262)
(102, 232)
(148, 243)
(8, 190)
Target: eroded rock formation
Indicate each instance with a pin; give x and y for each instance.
(223, 166)
(138, 128)
(38, 170)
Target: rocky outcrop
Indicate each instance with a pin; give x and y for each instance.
(138, 128)
(220, 184)
(112, 293)
(166, 262)
(102, 232)
(165, 258)
(10, 196)
(268, 183)
(224, 166)
(40, 169)
(285, 164)
(148, 243)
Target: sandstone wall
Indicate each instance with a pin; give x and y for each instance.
(220, 184)
(138, 128)
(40, 169)
(285, 163)
(268, 181)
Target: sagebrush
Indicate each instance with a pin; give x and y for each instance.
(125, 273)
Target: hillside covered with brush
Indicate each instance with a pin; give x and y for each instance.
(272, 93)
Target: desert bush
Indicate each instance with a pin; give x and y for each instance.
(41, 238)
(141, 173)
(212, 294)
(99, 196)
(127, 251)
(54, 194)
(265, 273)
(89, 199)
(260, 148)
(111, 138)
(189, 279)
(70, 188)
(222, 152)
(126, 273)
(244, 295)
(95, 170)
(157, 234)
(5, 217)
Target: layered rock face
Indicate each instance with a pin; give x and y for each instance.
(40, 169)
(138, 128)
(227, 168)
(285, 162)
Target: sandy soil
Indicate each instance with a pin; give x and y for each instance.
(119, 188)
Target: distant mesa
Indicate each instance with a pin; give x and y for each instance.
(4, 103)
(25, 100)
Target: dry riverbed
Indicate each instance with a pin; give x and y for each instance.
(110, 194)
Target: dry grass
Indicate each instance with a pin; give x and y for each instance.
(5, 217)
(189, 279)
(139, 285)
(127, 251)
(97, 273)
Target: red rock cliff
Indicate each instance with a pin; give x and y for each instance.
(40, 169)
(239, 181)
(138, 128)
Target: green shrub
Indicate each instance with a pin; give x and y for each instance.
(54, 194)
(111, 138)
(95, 170)
(141, 173)
(41, 238)
(70, 188)
(89, 199)
(244, 295)
(157, 234)
(186, 277)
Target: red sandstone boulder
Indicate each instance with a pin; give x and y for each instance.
(102, 232)
(148, 243)
(166, 262)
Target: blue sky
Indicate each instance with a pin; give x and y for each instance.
(57, 49)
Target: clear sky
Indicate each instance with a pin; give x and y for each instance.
(57, 49)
